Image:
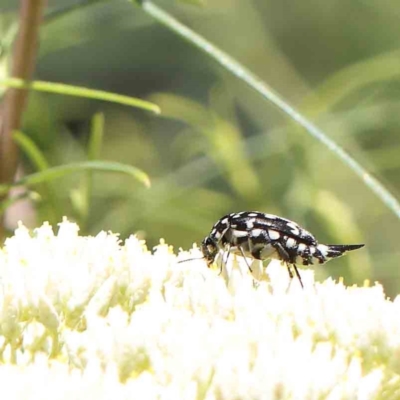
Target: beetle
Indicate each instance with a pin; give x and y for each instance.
(262, 236)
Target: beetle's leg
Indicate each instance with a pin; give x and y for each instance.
(288, 266)
(224, 262)
(245, 259)
(298, 275)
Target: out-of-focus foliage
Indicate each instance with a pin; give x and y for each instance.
(217, 146)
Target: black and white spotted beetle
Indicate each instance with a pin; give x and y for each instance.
(262, 236)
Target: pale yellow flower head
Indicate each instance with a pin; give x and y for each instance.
(92, 317)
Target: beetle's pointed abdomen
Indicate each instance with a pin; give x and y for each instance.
(329, 251)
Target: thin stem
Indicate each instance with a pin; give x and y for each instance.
(23, 63)
(79, 91)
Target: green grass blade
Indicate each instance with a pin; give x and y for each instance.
(38, 160)
(33, 152)
(267, 93)
(78, 91)
(96, 136)
(62, 170)
(81, 197)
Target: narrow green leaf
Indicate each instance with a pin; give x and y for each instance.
(32, 151)
(80, 198)
(96, 136)
(62, 170)
(78, 91)
(38, 160)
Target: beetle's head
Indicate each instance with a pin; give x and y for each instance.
(209, 248)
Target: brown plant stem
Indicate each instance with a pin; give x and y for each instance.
(12, 107)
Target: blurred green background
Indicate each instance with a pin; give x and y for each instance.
(217, 146)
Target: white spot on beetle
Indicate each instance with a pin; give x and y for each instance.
(323, 250)
(301, 247)
(294, 228)
(250, 224)
(256, 232)
(290, 243)
(274, 235)
(238, 233)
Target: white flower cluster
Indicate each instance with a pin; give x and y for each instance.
(90, 317)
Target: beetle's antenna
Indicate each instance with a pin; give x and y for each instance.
(191, 259)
